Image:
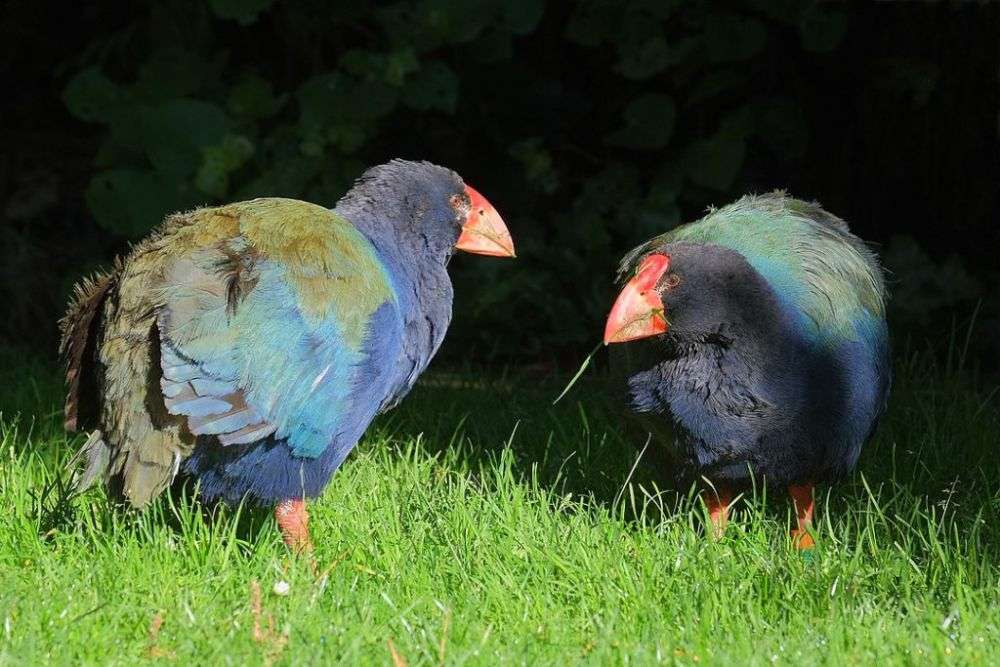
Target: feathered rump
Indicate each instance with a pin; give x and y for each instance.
(78, 346)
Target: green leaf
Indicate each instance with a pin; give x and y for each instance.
(313, 142)
(219, 161)
(435, 86)
(538, 164)
(392, 68)
(573, 380)
(253, 97)
(348, 138)
(287, 177)
(605, 190)
(130, 202)
(319, 97)
(649, 122)
(643, 60)
(399, 65)
(243, 12)
(91, 96)
(642, 45)
(340, 99)
(453, 21)
(175, 133)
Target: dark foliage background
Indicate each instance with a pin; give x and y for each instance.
(591, 125)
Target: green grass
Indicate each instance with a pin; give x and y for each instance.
(478, 525)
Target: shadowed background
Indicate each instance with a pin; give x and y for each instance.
(591, 126)
(529, 533)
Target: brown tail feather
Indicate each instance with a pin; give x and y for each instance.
(78, 347)
(97, 456)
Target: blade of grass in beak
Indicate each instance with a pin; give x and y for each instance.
(583, 367)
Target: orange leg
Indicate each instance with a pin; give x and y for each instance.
(293, 520)
(802, 497)
(717, 500)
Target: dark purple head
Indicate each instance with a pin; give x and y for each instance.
(419, 207)
(691, 290)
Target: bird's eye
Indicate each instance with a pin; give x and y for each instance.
(672, 280)
(455, 200)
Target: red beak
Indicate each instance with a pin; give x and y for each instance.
(483, 232)
(638, 310)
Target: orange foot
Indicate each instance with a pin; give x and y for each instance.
(802, 498)
(293, 520)
(717, 500)
(802, 539)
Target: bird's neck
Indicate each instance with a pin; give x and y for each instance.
(409, 257)
(425, 293)
(425, 298)
(419, 276)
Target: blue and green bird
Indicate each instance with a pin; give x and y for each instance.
(755, 345)
(249, 346)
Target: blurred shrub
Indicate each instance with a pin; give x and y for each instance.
(590, 124)
(941, 304)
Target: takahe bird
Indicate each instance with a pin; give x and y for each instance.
(760, 345)
(249, 346)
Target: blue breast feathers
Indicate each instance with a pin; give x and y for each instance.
(269, 470)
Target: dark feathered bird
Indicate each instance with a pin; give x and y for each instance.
(760, 339)
(250, 345)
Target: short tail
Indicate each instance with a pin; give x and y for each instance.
(78, 348)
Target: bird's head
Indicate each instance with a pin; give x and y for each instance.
(430, 209)
(691, 290)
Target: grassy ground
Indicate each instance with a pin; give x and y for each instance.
(477, 525)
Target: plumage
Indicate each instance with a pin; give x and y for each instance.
(808, 256)
(775, 359)
(77, 347)
(250, 345)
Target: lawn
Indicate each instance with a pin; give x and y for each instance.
(478, 525)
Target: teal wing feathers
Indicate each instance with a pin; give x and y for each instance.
(264, 335)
